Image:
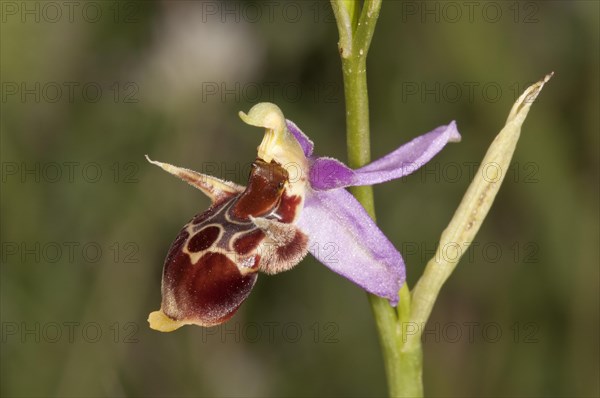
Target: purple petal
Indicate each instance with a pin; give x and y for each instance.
(408, 158)
(305, 142)
(327, 173)
(344, 238)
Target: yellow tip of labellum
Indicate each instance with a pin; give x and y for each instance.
(161, 322)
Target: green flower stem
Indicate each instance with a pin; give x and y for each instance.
(403, 369)
(469, 215)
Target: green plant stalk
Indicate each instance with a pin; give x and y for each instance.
(403, 368)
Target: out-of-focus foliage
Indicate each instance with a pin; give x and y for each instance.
(88, 88)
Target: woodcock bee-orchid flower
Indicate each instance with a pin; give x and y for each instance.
(294, 203)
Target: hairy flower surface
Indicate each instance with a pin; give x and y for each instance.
(294, 203)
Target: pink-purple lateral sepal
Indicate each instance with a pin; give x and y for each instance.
(344, 238)
(329, 173)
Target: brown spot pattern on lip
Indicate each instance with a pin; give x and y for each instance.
(203, 239)
(244, 244)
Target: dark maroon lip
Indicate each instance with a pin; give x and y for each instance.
(208, 285)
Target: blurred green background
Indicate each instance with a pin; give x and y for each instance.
(88, 88)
